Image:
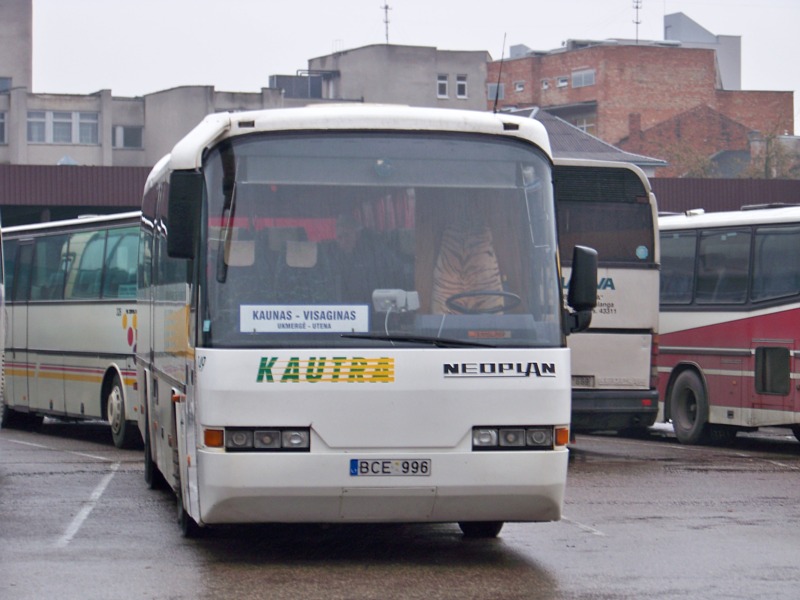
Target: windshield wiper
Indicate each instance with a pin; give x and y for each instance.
(419, 339)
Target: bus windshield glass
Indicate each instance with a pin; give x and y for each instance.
(378, 239)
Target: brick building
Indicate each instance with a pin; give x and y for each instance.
(661, 99)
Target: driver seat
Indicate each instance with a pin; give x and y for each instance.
(466, 263)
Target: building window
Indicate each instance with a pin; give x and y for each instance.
(587, 123)
(582, 78)
(496, 91)
(63, 127)
(545, 84)
(519, 86)
(441, 86)
(88, 128)
(5, 85)
(37, 126)
(126, 136)
(2, 128)
(461, 86)
(562, 82)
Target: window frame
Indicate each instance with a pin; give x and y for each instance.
(584, 78)
(461, 87)
(442, 86)
(50, 127)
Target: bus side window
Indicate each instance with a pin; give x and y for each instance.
(120, 264)
(86, 270)
(49, 268)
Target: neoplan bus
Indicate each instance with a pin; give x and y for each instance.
(354, 314)
(730, 302)
(610, 207)
(71, 315)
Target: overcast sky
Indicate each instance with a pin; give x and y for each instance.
(136, 47)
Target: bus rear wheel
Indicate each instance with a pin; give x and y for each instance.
(689, 408)
(480, 529)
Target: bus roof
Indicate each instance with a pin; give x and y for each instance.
(696, 219)
(188, 152)
(86, 221)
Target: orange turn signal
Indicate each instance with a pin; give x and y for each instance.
(214, 438)
(562, 436)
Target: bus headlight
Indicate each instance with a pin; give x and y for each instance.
(484, 437)
(513, 438)
(261, 439)
(238, 439)
(296, 439)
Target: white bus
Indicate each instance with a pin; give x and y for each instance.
(730, 301)
(71, 318)
(354, 314)
(610, 207)
(2, 332)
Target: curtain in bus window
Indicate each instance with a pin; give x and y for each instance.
(723, 266)
(678, 250)
(776, 272)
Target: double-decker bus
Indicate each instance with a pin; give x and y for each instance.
(610, 207)
(354, 314)
(730, 301)
(71, 319)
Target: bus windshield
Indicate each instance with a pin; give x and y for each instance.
(378, 239)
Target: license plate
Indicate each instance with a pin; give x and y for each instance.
(388, 467)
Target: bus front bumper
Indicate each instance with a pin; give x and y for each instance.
(613, 410)
(318, 488)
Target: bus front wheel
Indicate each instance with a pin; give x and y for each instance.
(189, 527)
(689, 408)
(480, 529)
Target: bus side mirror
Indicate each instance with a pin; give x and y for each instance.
(183, 213)
(582, 293)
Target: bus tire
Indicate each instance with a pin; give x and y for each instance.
(480, 529)
(189, 527)
(124, 433)
(152, 475)
(721, 435)
(689, 408)
(6, 415)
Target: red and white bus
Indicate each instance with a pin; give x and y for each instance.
(730, 304)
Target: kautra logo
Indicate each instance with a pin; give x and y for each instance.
(315, 369)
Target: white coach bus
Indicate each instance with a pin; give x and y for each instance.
(610, 207)
(354, 314)
(71, 318)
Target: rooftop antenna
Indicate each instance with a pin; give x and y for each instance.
(386, 8)
(499, 75)
(637, 5)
